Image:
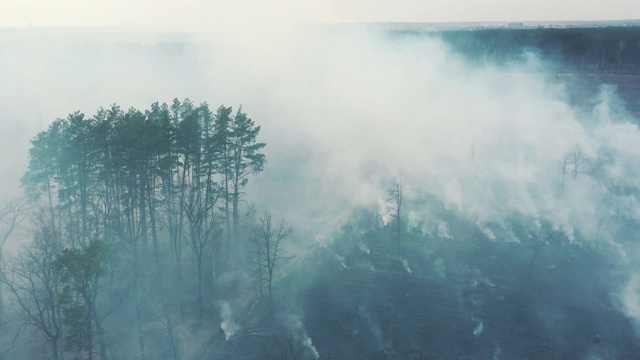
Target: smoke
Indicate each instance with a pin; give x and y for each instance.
(374, 327)
(343, 111)
(479, 328)
(497, 353)
(405, 264)
(228, 325)
(482, 140)
(293, 320)
(306, 342)
(439, 268)
(629, 299)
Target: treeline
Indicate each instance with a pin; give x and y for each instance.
(138, 214)
(597, 50)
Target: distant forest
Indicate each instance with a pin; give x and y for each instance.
(606, 50)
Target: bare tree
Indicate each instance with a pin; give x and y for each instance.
(269, 254)
(394, 199)
(35, 287)
(169, 325)
(564, 166)
(11, 215)
(577, 158)
(571, 162)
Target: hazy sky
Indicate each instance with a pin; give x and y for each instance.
(199, 15)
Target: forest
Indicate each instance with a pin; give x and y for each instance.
(126, 204)
(405, 195)
(600, 50)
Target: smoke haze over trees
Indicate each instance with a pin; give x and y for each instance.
(378, 195)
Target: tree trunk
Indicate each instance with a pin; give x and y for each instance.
(179, 234)
(226, 206)
(101, 343)
(90, 331)
(236, 239)
(56, 350)
(200, 308)
(84, 199)
(169, 325)
(179, 273)
(143, 220)
(140, 332)
(154, 230)
(398, 232)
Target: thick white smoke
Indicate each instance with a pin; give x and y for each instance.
(348, 111)
(228, 324)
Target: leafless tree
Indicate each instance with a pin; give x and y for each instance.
(169, 325)
(35, 286)
(11, 215)
(577, 158)
(571, 162)
(564, 166)
(269, 253)
(394, 200)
